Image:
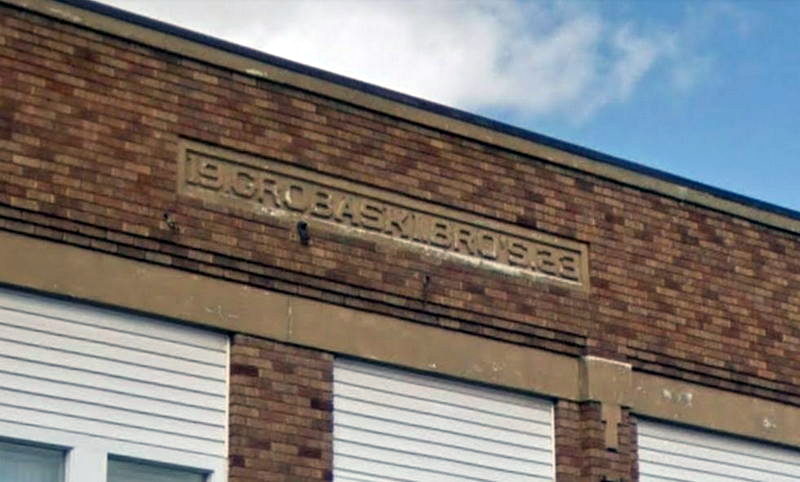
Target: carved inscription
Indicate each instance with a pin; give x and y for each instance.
(280, 190)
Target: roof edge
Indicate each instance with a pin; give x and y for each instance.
(164, 36)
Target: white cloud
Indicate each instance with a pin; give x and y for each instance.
(689, 51)
(523, 58)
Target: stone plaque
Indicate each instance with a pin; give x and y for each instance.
(274, 188)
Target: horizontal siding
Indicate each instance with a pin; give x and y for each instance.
(672, 453)
(142, 340)
(143, 326)
(84, 370)
(110, 384)
(395, 425)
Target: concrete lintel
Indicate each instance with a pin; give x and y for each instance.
(386, 339)
(111, 280)
(103, 278)
(84, 274)
(714, 409)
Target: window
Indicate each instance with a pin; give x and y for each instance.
(20, 462)
(26, 463)
(132, 471)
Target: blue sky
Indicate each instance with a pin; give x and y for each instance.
(736, 127)
(705, 89)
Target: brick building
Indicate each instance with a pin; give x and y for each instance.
(220, 265)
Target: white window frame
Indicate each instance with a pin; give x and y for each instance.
(86, 457)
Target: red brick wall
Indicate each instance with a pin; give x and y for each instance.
(281, 412)
(89, 132)
(581, 453)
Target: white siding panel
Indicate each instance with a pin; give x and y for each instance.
(105, 397)
(441, 422)
(118, 417)
(427, 388)
(477, 454)
(113, 336)
(395, 425)
(81, 377)
(673, 453)
(43, 336)
(90, 363)
(97, 428)
(127, 323)
(74, 370)
(415, 404)
(365, 425)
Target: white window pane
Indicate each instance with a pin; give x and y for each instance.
(25, 463)
(129, 471)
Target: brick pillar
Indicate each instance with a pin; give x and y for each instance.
(569, 454)
(281, 412)
(581, 452)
